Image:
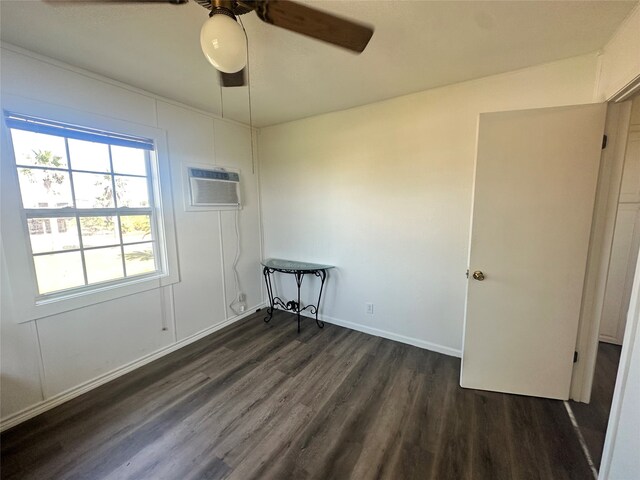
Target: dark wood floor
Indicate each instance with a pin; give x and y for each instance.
(593, 417)
(257, 401)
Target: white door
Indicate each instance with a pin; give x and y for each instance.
(534, 192)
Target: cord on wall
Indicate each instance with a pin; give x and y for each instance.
(221, 101)
(246, 37)
(239, 303)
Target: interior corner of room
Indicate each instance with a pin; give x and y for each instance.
(457, 232)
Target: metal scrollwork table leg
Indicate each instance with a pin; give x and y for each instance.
(293, 306)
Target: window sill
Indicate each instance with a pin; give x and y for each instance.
(47, 306)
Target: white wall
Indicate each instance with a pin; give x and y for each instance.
(383, 192)
(42, 359)
(620, 460)
(620, 59)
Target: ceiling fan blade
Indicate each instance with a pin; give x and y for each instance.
(174, 2)
(233, 79)
(315, 23)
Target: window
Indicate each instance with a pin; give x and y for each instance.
(88, 198)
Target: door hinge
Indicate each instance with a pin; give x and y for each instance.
(467, 273)
(575, 357)
(604, 142)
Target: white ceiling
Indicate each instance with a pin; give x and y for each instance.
(417, 45)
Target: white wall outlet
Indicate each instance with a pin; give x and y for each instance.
(241, 297)
(370, 308)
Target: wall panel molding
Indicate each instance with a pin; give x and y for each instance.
(59, 399)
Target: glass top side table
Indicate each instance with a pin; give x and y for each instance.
(299, 270)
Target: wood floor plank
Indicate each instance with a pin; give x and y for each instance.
(453, 459)
(490, 453)
(260, 401)
(528, 460)
(320, 446)
(564, 453)
(592, 418)
(196, 435)
(381, 441)
(421, 427)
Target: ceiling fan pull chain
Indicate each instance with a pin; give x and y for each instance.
(253, 165)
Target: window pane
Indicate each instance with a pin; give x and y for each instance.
(129, 160)
(89, 156)
(44, 188)
(86, 241)
(135, 228)
(32, 148)
(58, 271)
(93, 190)
(103, 264)
(99, 231)
(53, 234)
(139, 259)
(132, 192)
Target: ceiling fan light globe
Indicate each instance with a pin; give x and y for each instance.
(223, 43)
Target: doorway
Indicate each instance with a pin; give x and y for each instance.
(592, 418)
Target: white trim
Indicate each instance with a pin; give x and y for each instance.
(166, 310)
(626, 92)
(609, 339)
(602, 230)
(110, 81)
(263, 291)
(416, 342)
(174, 322)
(222, 267)
(598, 80)
(49, 403)
(41, 370)
(60, 398)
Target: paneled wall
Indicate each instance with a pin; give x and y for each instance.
(57, 355)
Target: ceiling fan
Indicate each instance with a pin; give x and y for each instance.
(223, 40)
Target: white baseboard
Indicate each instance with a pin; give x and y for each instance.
(434, 347)
(609, 339)
(41, 407)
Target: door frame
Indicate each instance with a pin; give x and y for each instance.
(617, 128)
(603, 226)
(602, 230)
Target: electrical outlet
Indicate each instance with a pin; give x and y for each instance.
(241, 297)
(370, 308)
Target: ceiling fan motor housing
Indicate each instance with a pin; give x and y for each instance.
(230, 8)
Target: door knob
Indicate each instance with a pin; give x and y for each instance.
(478, 275)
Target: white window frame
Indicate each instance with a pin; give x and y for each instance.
(28, 303)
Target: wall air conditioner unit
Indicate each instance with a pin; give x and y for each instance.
(211, 188)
